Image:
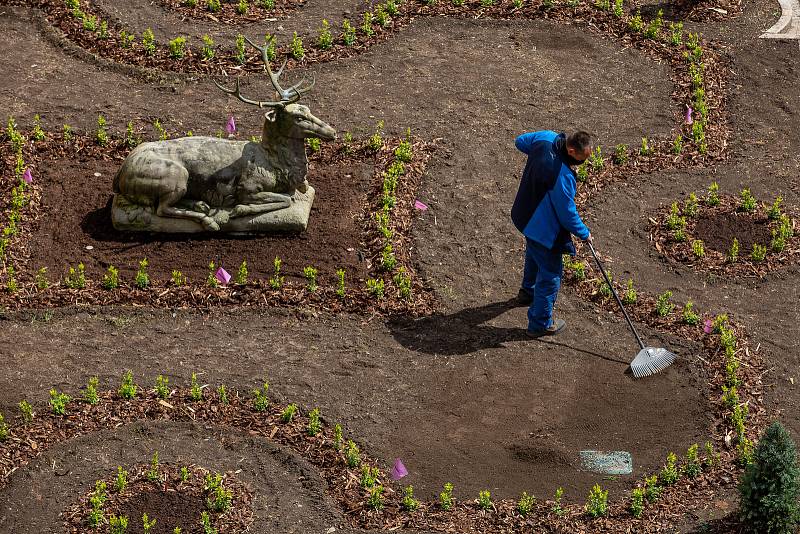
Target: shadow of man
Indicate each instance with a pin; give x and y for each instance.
(459, 333)
(463, 332)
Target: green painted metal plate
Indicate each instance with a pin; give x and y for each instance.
(607, 463)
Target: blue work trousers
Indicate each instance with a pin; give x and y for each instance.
(542, 279)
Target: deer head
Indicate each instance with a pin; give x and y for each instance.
(286, 118)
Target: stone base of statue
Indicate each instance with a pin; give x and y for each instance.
(129, 217)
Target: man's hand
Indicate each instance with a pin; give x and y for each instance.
(590, 239)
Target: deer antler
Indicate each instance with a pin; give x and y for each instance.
(238, 94)
(289, 95)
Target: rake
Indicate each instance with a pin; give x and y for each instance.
(650, 360)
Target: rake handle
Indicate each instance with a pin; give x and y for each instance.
(611, 287)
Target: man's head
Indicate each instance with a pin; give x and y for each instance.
(579, 145)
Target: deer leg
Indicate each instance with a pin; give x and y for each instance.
(269, 202)
(166, 208)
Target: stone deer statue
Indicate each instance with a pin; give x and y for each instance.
(197, 177)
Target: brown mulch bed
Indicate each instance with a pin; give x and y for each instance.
(716, 227)
(173, 499)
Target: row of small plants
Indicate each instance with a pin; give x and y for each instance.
(232, 10)
(340, 460)
(694, 65)
(674, 232)
(101, 510)
(400, 165)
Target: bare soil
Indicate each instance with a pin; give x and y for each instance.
(460, 396)
(719, 231)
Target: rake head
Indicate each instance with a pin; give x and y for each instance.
(650, 361)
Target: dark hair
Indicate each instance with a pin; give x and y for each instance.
(580, 141)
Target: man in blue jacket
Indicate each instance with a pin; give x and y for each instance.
(545, 212)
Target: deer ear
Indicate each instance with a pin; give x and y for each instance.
(270, 115)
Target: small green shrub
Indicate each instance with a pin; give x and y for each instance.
(747, 202)
(375, 287)
(733, 252)
(636, 506)
(409, 503)
(177, 48)
(27, 411)
(76, 278)
(325, 39)
(525, 504)
(296, 46)
(352, 455)
(689, 316)
(58, 402)
(485, 500)
(142, 279)
(311, 278)
(629, 296)
(127, 389)
(148, 42)
(620, 154)
(759, 252)
(241, 274)
(692, 467)
(90, 393)
(446, 499)
(260, 398)
(314, 422)
(669, 473)
(774, 211)
(276, 281)
(712, 197)
(110, 278)
(162, 387)
(288, 413)
(770, 486)
(597, 505)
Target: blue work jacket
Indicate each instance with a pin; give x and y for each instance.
(544, 209)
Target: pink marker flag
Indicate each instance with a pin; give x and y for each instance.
(689, 115)
(399, 470)
(27, 176)
(420, 205)
(707, 328)
(223, 276)
(231, 126)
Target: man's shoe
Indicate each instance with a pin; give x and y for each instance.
(524, 298)
(555, 328)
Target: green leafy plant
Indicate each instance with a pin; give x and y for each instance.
(276, 281)
(597, 505)
(161, 133)
(369, 476)
(205, 522)
(596, 160)
(525, 504)
(352, 455)
(652, 491)
(582, 173)
(147, 525)
(388, 259)
(669, 473)
(58, 402)
(712, 197)
(110, 278)
(131, 139)
(629, 296)
(38, 133)
(337, 436)
(241, 274)
(148, 42)
(557, 509)
(771, 485)
(196, 392)
(102, 133)
(127, 389)
(404, 151)
(663, 306)
(121, 482)
(635, 23)
(314, 423)
(296, 47)
(375, 287)
(340, 287)
(674, 220)
(651, 32)
(90, 393)
(698, 249)
(222, 394)
(177, 48)
(747, 202)
(646, 149)
(118, 524)
(375, 142)
(178, 278)
(620, 154)
(288, 413)
(152, 473)
(408, 502)
(375, 499)
(240, 55)
(125, 39)
(733, 252)
(774, 211)
(211, 278)
(618, 9)
(366, 24)
(208, 48)
(403, 282)
(485, 500)
(270, 45)
(184, 474)
(759, 252)
(311, 278)
(213, 5)
(689, 316)
(220, 498)
(242, 7)
(636, 506)
(40, 280)
(27, 411)
(348, 33)
(142, 279)
(260, 398)
(325, 39)
(3, 428)
(692, 467)
(677, 144)
(446, 499)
